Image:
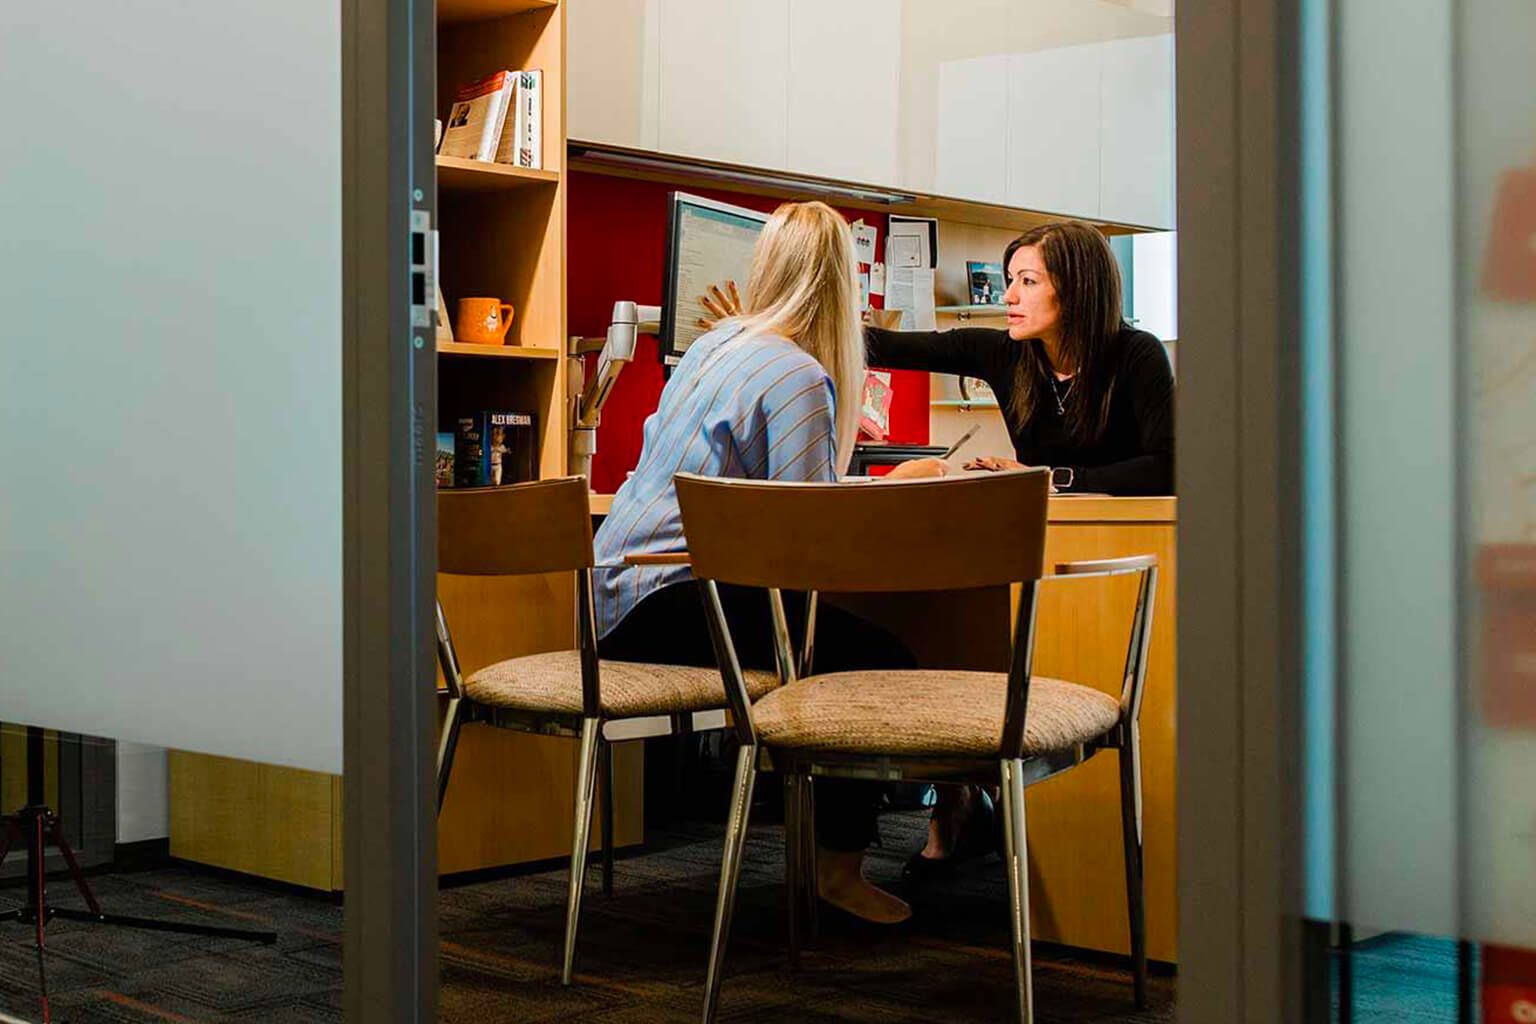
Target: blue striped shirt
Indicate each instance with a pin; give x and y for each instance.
(758, 408)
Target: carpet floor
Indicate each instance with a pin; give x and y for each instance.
(640, 958)
(641, 954)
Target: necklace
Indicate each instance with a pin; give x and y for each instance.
(1060, 394)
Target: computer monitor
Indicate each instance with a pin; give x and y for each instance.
(708, 242)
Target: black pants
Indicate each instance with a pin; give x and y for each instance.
(668, 627)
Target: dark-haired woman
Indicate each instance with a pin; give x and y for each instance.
(1081, 391)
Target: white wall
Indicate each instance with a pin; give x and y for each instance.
(170, 405)
(143, 793)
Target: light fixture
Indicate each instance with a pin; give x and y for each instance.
(675, 167)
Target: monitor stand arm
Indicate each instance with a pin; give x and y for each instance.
(629, 321)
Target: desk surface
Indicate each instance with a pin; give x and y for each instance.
(1084, 509)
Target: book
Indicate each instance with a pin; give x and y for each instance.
(986, 282)
(494, 448)
(443, 464)
(875, 408)
(478, 117)
(522, 140)
(444, 325)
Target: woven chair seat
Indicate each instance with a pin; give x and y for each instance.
(551, 682)
(928, 713)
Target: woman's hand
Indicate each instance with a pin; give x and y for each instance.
(917, 469)
(720, 304)
(994, 464)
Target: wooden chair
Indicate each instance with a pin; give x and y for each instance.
(546, 527)
(1008, 728)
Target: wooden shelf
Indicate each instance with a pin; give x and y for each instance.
(966, 312)
(463, 175)
(457, 348)
(481, 10)
(963, 403)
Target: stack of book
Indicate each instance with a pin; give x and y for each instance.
(500, 119)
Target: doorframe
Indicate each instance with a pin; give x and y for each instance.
(1240, 507)
(389, 550)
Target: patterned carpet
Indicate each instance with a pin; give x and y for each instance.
(641, 955)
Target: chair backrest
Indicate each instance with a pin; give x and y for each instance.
(545, 526)
(939, 534)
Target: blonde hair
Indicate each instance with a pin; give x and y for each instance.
(803, 287)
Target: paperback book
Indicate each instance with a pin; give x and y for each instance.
(522, 138)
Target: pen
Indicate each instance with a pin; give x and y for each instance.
(963, 438)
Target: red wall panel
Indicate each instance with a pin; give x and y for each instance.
(615, 249)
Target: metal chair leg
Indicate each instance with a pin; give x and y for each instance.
(586, 778)
(1016, 858)
(794, 868)
(447, 744)
(605, 810)
(1130, 827)
(809, 892)
(730, 872)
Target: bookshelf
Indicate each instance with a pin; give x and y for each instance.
(458, 175)
(454, 11)
(454, 348)
(502, 233)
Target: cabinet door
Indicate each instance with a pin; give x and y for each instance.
(613, 72)
(970, 160)
(1053, 130)
(844, 89)
(725, 80)
(1137, 131)
(1154, 283)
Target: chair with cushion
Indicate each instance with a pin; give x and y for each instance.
(546, 527)
(997, 728)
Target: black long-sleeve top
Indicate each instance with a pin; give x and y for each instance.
(1134, 454)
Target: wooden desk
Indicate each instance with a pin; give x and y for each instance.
(1077, 894)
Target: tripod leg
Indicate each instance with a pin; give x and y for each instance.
(56, 833)
(39, 885)
(150, 924)
(42, 986)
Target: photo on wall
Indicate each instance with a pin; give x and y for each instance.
(986, 282)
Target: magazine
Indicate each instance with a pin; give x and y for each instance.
(478, 116)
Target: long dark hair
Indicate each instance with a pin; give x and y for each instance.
(1086, 277)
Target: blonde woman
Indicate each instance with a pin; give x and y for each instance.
(771, 394)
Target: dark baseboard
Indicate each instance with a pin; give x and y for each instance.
(142, 855)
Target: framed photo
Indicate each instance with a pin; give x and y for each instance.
(986, 282)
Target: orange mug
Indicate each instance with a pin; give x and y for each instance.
(483, 321)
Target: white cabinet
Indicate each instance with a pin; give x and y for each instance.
(1136, 130)
(1154, 283)
(964, 99)
(970, 158)
(724, 80)
(1053, 130)
(613, 72)
(844, 89)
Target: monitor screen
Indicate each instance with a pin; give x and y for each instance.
(708, 242)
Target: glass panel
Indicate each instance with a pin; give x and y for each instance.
(1419, 302)
(171, 513)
